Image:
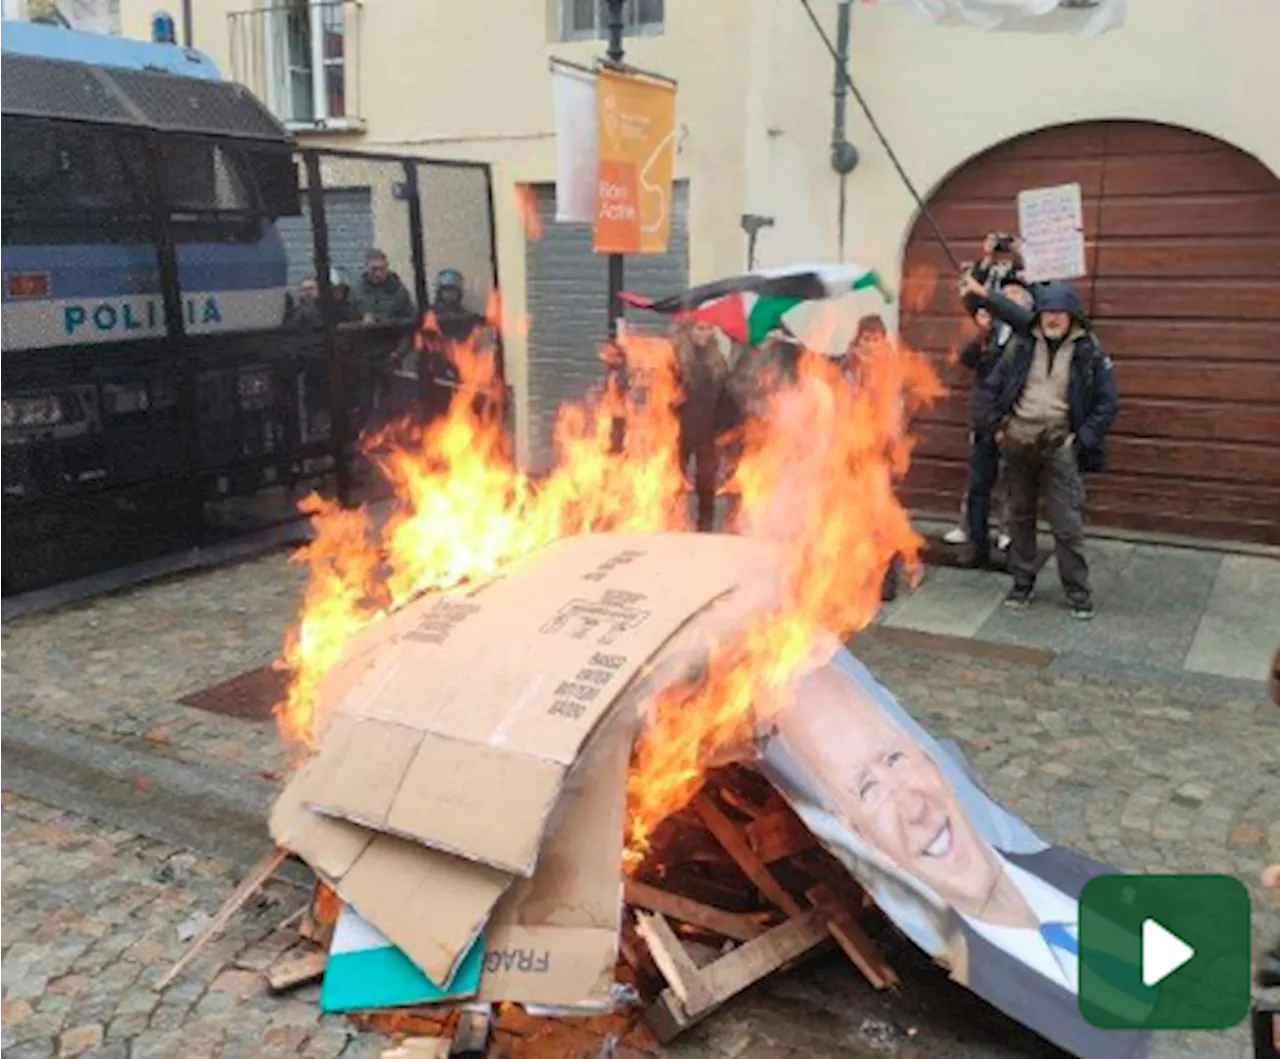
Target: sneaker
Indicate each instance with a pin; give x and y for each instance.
(1003, 541)
(1020, 597)
(956, 535)
(1082, 610)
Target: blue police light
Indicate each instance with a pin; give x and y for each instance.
(163, 28)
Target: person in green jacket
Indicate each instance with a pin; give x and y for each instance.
(381, 297)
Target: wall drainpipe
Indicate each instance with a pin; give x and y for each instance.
(844, 156)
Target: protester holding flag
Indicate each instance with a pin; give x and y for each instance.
(702, 372)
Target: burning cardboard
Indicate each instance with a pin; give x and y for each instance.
(460, 732)
(556, 613)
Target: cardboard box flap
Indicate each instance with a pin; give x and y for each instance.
(331, 847)
(526, 664)
(553, 939)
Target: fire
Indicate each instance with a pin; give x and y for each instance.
(527, 209)
(463, 509)
(817, 473)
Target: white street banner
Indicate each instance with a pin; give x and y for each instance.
(577, 143)
(1051, 223)
(1085, 18)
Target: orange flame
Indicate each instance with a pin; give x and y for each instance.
(527, 209)
(462, 509)
(817, 473)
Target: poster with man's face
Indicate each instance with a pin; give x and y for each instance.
(964, 878)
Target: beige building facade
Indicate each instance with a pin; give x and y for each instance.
(755, 106)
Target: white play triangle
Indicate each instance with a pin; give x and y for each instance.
(1163, 952)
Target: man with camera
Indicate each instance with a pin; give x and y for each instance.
(1049, 403)
(999, 268)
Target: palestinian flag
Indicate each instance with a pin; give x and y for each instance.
(747, 308)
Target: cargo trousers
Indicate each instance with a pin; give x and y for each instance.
(1047, 470)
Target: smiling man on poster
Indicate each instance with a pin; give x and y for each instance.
(637, 117)
(962, 876)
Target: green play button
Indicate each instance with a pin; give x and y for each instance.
(1164, 952)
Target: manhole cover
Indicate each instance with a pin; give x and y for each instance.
(250, 696)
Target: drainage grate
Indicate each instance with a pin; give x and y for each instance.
(249, 696)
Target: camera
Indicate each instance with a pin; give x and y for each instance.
(1004, 242)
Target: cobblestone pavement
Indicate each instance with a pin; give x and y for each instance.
(1173, 774)
(92, 919)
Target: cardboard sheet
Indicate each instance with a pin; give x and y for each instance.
(365, 970)
(553, 939)
(433, 905)
(460, 730)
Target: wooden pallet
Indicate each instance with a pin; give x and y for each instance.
(733, 889)
(809, 901)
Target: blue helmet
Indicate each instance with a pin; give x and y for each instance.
(449, 277)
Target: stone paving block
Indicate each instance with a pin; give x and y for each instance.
(79, 1039)
(126, 1027)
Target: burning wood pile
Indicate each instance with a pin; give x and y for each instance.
(732, 889)
(514, 698)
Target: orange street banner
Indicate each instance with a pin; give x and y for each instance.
(637, 119)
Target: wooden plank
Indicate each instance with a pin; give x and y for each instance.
(1196, 299)
(1219, 257)
(695, 913)
(852, 939)
(1199, 340)
(990, 177)
(1233, 214)
(778, 835)
(735, 844)
(1081, 139)
(295, 969)
(1245, 383)
(1254, 464)
(1221, 172)
(667, 1018)
(471, 1038)
(419, 1048)
(1199, 421)
(757, 959)
(253, 882)
(1167, 457)
(677, 967)
(1147, 137)
(970, 219)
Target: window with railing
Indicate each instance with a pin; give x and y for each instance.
(297, 55)
(589, 19)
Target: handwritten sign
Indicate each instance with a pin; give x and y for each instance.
(1051, 222)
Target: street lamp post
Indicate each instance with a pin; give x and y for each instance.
(615, 55)
(617, 435)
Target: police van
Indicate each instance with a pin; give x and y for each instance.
(142, 268)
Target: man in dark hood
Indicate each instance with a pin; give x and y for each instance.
(382, 298)
(1051, 402)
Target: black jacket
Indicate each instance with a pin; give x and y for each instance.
(1092, 399)
(980, 355)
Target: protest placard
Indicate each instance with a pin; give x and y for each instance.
(1051, 222)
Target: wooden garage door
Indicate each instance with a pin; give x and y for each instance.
(1183, 237)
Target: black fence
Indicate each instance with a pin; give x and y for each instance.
(222, 344)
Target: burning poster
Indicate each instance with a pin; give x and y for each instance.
(959, 874)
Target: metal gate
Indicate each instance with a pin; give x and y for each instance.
(231, 398)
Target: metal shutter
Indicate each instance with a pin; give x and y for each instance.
(349, 212)
(567, 297)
